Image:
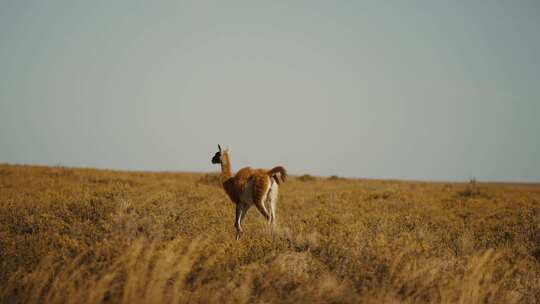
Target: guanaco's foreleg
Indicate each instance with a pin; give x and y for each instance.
(240, 213)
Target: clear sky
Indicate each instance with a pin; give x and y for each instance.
(430, 90)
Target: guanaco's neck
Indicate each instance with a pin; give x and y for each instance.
(225, 167)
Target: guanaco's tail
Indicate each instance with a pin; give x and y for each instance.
(278, 173)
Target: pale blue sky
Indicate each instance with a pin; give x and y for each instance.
(427, 90)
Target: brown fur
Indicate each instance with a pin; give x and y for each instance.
(235, 185)
(278, 173)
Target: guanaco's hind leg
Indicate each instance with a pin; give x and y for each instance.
(260, 194)
(262, 208)
(271, 200)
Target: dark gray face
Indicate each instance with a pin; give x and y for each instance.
(217, 158)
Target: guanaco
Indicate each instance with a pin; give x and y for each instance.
(249, 187)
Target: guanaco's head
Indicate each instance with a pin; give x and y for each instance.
(218, 156)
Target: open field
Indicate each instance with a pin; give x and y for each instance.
(90, 236)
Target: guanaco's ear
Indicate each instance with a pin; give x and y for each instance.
(219, 147)
(228, 149)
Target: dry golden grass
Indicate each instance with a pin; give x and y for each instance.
(91, 236)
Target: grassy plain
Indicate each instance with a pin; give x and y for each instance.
(91, 236)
